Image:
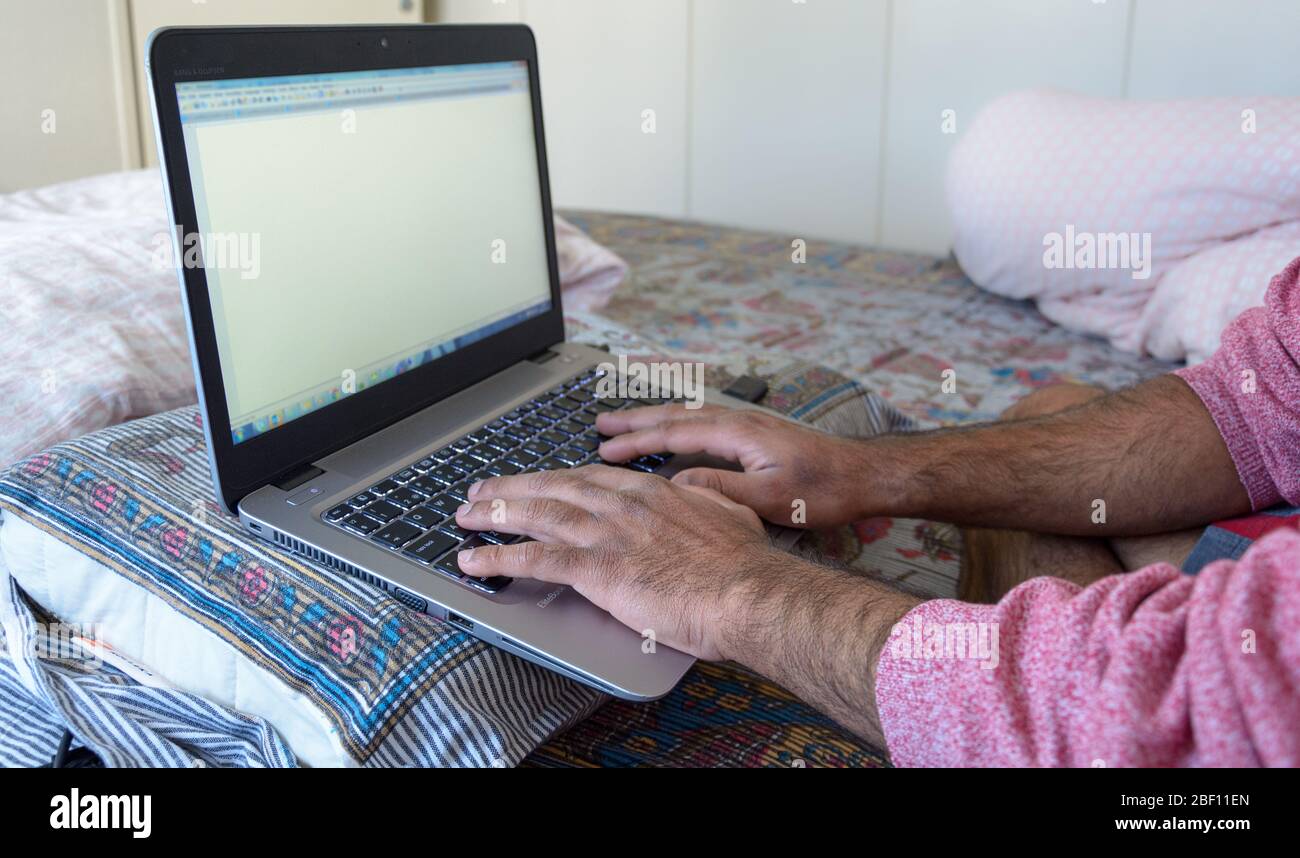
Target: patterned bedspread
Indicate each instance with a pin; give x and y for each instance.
(893, 322)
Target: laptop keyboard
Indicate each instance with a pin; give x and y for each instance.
(412, 511)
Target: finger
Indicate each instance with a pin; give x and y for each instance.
(574, 486)
(743, 513)
(744, 488)
(629, 419)
(712, 434)
(538, 517)
(557, 564)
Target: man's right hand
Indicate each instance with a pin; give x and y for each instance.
(793, 475)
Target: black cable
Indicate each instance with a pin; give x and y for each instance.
(61, 755)
(67, 757)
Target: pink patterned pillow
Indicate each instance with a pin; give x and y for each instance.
(1212, 186)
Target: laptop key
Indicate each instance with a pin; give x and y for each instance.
(362, 523)
(430, 547)
(484, 452)
(445, 474)
(556, 438)
(425, 486)
(398, 534)
(503, 469)
(551, 413)
(538, 448)
(645, 464)
(522, 459)
(445, 504)
(361, 500)
(572, 455)
(406, 498)
(516, 434)
(584, 418)
(427, 464)
(425, 516)
(460, 491)
(564, 403)
(585, 444)
(404, 476)
(474, 541)
(448, 566)
(384, 511)
(383, 488)
(451, 528)
(488, 585)
(534, 423)
(465, 464)
(550, 463)
(339, 512)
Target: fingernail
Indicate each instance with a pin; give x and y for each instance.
(473, 490)
(462, 508)
(466, 556)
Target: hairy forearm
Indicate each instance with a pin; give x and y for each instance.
(818, 632)
(1144, 460)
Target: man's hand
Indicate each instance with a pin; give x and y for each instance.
(698, 570)
(675, 559)
(788, 467)
(1140, 461)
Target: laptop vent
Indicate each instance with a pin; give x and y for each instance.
(312, 553)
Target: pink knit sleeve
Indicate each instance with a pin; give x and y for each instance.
(1251, 387)
(1151, 668)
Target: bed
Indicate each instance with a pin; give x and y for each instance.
(854, 340)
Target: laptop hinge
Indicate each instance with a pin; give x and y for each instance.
(544, 355)
(297, 477)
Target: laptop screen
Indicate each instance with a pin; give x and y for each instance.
(354, 226)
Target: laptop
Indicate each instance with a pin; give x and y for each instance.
(364, 239)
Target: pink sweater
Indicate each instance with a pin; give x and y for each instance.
(1151, 668)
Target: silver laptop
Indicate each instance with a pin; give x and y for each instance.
(366, 249)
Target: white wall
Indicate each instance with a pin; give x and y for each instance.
(83, 60)
(823, 118)
(149, 15)
(819, 118)
(67, 99)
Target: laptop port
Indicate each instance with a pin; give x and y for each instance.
(460, 622)
(410, 600)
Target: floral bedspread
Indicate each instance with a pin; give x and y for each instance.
(892, 321)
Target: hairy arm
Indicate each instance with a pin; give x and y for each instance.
(1152, 455)
(818, 632)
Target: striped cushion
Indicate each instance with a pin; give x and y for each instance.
(385, 685)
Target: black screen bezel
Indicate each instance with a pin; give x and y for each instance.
(184, 55)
